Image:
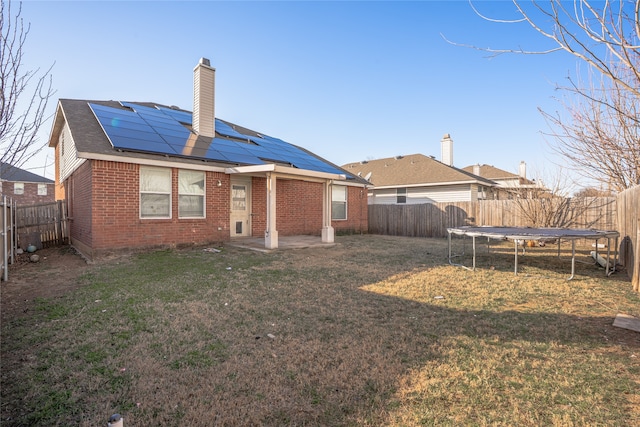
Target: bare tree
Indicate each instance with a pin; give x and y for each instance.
(24, 93)
(549, 204)
(600, 135)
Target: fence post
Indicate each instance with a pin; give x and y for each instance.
(635, 280)
(5, 257)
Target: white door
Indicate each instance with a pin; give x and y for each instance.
(240, 207)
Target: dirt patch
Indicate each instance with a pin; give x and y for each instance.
(56, 273)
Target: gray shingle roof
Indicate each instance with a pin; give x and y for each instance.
(494, 173)
(413, 169)
(14, 174)
(89, 137)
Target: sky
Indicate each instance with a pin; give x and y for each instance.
(349, 81)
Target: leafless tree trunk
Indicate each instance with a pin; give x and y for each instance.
(24, 93)
(600, 134)
(550, 205)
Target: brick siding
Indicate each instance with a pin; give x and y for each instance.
(104, 207)
(299, 208)
(30, 196)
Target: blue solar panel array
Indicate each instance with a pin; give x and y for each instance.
(162, 130)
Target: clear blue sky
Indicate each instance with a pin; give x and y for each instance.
(347, 80)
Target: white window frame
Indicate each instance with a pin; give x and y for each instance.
(189, 191)
(157, 192)
(400, 194)
(42, 189)
(335, 200)
(18, 188)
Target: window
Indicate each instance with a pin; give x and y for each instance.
(401, 195)
(190, 194)
(18, 188)
(155, 193)
(42, 189)
(338, 202)
(239, 197)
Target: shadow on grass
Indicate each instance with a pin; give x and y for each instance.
(322, 337)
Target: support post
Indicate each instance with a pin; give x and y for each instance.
(328, 234)
(271, 234)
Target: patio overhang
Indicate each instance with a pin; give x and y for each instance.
(285, 172)
(272, 172)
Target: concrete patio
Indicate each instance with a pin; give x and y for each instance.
(284, 242)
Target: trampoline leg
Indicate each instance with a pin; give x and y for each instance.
(515, 263)
(573, 259)
(474, 253)
(615, 256)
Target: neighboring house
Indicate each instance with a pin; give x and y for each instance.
(24, 187)
(417, 178)
(138, 175)
(512, 184)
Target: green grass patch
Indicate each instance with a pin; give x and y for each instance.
(377, 330)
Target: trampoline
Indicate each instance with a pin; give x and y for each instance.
(517, 234)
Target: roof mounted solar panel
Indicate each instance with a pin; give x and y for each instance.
(162, 130)
(179, 115)
(224, 129)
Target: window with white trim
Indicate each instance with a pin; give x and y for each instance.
(338, 202)
(18, 188)
(155, 192)
(401, 195)
(190, 194)
(42, 189)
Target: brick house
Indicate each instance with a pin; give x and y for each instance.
(24, 187)
(144, 175)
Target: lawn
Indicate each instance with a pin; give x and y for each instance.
(376, 330)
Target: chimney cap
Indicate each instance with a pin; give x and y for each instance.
(205, 61)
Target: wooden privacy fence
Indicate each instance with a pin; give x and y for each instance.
(42, 225)
(628, 203)
(433, 219)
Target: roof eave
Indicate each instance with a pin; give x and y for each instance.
(283, 171)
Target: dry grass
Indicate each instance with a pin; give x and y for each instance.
(343, 336)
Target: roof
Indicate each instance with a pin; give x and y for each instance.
(494, 173)
(14, 174)
(154, 131)
(412, 170)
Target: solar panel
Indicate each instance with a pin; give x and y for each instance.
(162, 130)
(181, 116)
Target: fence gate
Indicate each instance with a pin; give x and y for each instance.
(42, 225)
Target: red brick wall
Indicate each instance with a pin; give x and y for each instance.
(357, 212)
(30, 196)
(259, 206)
(79, 207)
(116, 214)
(104, 204)
(299, 208)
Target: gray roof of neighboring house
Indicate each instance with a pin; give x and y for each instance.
(89, 137)
(494, 173)
(14, 174)
(413, 169)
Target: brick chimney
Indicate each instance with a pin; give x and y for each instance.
(446, 148)
(204, 84)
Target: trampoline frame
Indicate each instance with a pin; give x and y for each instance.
(529, 233)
